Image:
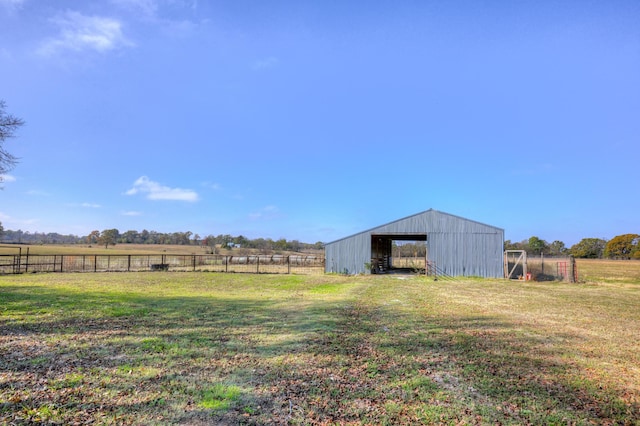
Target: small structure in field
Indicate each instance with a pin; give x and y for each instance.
(455, 246)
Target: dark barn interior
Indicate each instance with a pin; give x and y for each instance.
(382, 252)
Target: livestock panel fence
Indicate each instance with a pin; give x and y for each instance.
(519, 265)
(267, 264)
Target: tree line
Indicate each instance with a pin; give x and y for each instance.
(110, 237)
(625, 246)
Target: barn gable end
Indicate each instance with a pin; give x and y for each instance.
(457, 246)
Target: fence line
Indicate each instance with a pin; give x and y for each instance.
(274, 264)
(540, 268)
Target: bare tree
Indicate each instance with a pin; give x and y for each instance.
(8, 125)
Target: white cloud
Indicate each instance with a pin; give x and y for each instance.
(7, 178)
(156, 191)
(131, 213)
(80, 33)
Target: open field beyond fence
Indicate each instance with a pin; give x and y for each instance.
(204, 348)
(274, 264)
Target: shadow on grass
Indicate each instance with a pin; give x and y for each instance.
(132, 359)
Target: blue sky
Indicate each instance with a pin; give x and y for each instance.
(313, 120)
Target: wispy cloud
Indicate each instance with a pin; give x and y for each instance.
(131, 213)
(212, 185)
(10, 222)
(266, 63)
(38, 193)
(147, 9)
(157, 191)
(7, 178)
(85, 33)
(90, 205)
(11, 5)
(266, 213)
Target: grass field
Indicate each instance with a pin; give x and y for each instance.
(206, 348)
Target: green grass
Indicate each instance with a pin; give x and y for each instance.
(206, 348)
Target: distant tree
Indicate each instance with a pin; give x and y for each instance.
(93, 237)
(538, 246)
(130, 237)
(8, 126)
(523, 245)
(109, 236)
(588, 248)
(241, 240)
(623, 246)
(210, 241)
(1, 230)
(281, 244)
(557, 248)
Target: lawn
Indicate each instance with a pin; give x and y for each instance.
(211, 348)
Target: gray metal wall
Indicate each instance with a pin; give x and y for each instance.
(459, 246)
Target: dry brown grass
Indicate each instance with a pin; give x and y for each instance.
(609, 271)
(202, 348)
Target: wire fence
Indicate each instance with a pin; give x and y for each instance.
(259, 264)
(519, 265)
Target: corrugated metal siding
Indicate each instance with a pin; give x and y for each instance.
(460, 247)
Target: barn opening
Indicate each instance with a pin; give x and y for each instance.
(398, 253)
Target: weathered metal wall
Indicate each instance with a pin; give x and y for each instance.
(458, 246)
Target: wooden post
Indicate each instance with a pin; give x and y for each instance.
(289, 264)
(573, 273)
(128, 263)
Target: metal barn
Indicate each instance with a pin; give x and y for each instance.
(455, 246)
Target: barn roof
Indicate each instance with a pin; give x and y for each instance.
(398, 236)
